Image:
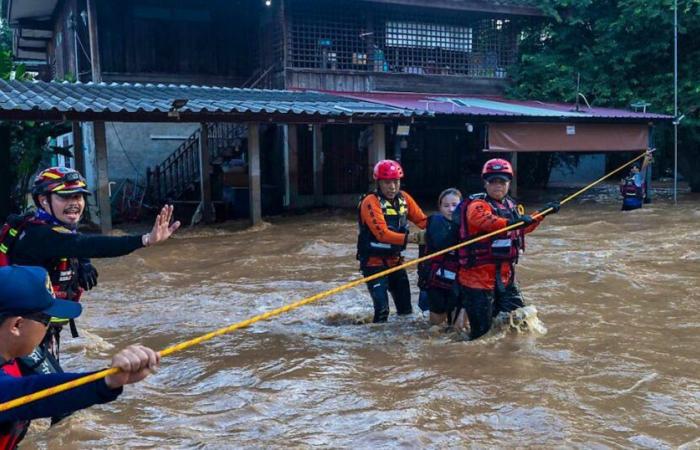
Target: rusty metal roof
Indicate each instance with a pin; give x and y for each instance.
(38, 100)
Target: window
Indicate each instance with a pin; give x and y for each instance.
(426, 35)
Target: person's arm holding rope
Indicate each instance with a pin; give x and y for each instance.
(135, 362)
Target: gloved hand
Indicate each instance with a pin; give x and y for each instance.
(87, 275)
(526, 219)
(554, 205)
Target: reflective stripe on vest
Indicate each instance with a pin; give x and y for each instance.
(442, 269)
(396, 218)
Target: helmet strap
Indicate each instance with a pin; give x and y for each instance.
(48, 198)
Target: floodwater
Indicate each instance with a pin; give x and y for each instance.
(617, 367)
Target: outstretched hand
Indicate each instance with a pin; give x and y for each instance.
(135, 363)
(162, 229)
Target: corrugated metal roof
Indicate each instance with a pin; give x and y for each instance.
(57, 101)
(495, 107)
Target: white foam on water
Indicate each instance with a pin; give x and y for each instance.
(522, 320)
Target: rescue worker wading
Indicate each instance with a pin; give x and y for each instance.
(634, 187)
(383, 220)
(49, 238)
(487, 268)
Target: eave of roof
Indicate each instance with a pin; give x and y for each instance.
(154, 103)
(515, 8)
(29, 10)
(498, 108)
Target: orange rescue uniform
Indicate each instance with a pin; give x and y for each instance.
(371, 215)
(482, 220)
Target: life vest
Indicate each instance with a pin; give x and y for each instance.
(629, 189)
(502, 248)
(63, 272)
(440, 271)
(396, 217)
(13, 432)
(9, 234)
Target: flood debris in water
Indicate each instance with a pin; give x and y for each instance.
(345, 318)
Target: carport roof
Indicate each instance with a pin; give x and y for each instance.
(493, 108)
(38, 100)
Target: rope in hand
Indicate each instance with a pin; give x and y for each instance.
(281, 310)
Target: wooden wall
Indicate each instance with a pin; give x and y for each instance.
(345, 81)
(64, 48)
(441, 157)
(344, 159)
(189, 41)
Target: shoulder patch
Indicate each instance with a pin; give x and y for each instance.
(60, 229)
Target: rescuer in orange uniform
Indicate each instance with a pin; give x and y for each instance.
(383, 221)
(487, 268)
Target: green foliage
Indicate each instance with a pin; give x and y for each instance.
(26, 149)
(623, 51)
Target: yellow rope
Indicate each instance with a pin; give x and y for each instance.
(278, 311)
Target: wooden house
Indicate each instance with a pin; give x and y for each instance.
(438, 49)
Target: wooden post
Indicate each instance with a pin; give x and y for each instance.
(292, 166)
(285, 23)
(514, 183)
(377, 150)
(78, 150)
(103, 200)
(205, 173)
(254, 188)
(94, 42)
(5, 171)
(318, 164)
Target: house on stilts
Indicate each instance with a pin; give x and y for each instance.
(253, 107)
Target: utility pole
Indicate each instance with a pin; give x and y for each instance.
(675, 102)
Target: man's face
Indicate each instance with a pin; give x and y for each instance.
(21, 335)
(389, 188)
(68, 209)
(497, 188)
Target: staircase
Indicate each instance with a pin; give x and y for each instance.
(177, 178)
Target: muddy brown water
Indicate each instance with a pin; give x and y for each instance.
(618, 366)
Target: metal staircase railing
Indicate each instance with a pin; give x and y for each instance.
(179, 173)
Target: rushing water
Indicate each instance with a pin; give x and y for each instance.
(618, 366)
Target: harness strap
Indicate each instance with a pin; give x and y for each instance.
(500, 288)
(73, 328)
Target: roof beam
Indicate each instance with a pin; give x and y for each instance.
(29, 44)
(30, 33)
(30, 54)
(469, 5)
(43, 25)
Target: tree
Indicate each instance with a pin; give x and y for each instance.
(623, 51)
(22, 144)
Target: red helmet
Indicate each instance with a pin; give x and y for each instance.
(497, 166)
(59, 180)
(388, 169)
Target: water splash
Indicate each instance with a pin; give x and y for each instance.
(522, 320)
